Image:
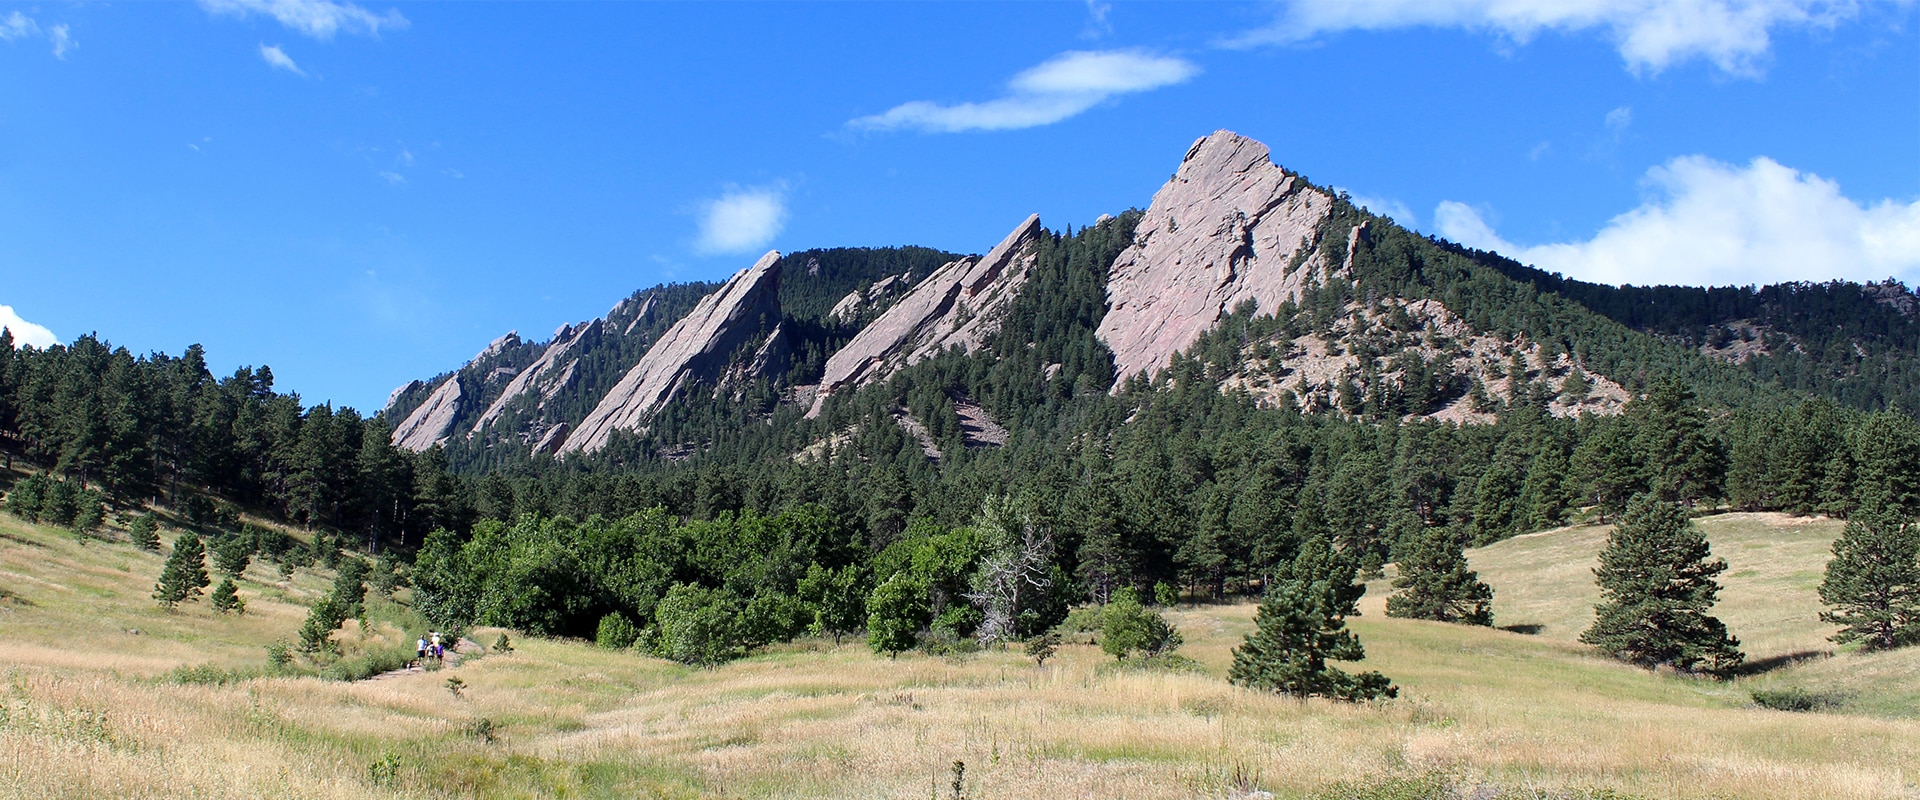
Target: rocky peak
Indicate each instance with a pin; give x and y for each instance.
(959, 304)
(1228, 227)
(429, 424)
(694, 350)
(549, 374)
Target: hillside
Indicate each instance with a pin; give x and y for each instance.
(91, 711)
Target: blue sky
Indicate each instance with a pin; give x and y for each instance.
(363, 193)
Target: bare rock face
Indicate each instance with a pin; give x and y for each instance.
(429, 424)
(695, 349)
(1230, 226)
(960, 304)
(547, 375)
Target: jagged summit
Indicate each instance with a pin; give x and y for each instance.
(1228, 227)
(959, 305)
(694, 350)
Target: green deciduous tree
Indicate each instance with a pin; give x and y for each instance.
(896, 612)
(699, 626)
(1657, 584)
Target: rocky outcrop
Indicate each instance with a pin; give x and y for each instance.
(1228, 227)
(547, 375)
(694, 350)
(959, 305)
(429, 424)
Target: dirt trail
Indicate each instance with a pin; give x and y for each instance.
(461, 649)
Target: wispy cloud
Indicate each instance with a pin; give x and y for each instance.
(742, 220)
(1098, 24)
(1393, 209)
(1711, 223)
(1619, 120)
(1061, 87)
(24, 332)
(16, 26)
(392, 178)
(320, 19)
(1650, 35)
(280, 60)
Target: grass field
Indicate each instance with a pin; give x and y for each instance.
(87, 709)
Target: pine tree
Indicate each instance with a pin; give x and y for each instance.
(1657, 585)
(226, 597)
(185, 573)
(1435, 583)
(232, 554)
(1873, 582)
(145, 532)
(1302, 626)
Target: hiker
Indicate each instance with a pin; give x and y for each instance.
(419, 652)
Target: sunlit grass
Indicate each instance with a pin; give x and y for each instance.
(91, 714)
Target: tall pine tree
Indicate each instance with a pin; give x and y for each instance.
(1873, 582)
(1302, 626)
(1435, 583)
(1656, 582)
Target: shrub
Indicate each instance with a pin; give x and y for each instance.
(616, 632)
(1794, 698)
(698, 626)
(1132, 628)
(1042, 647)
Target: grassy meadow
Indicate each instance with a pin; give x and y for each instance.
(89, 708)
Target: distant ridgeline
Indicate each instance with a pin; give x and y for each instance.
(1181, 394)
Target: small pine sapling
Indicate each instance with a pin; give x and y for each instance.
(185, 573)
(145, 532)
(226, 597)
(1042, 647)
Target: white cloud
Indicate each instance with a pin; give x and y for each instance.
(62, 40)
(1394, 209)
(320, 19)
(1059, 88)
(1650, 35)
(280, 60)
(24, 332)
(392, 178)
(1709, 223)
(1619, 120)
(743, 220)
(20, 26)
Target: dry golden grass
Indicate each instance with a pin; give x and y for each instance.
(86, 717)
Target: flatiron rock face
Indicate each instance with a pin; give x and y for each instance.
(1230, 226)
(429, 424)
(960, 304)
(694, 350)
(547, 375)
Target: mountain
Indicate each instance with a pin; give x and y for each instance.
(1274, 287)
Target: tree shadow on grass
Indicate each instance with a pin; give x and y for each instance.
(1761, 666)
(1524, 630)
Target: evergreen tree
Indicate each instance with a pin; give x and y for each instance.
(1873, 582)
(185, 573)
(1435, 583)
(226, 597)
(1301, 626)
(232, 554)
(145, 532)
(1657, 586)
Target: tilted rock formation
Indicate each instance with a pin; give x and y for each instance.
(429, 424)
(960, 304)
(695, 349)
(1230, 226)
(548, 375)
